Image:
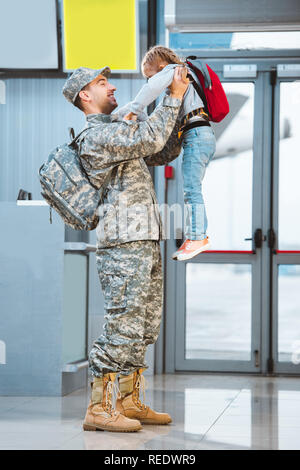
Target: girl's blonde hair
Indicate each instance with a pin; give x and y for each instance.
(160, 53)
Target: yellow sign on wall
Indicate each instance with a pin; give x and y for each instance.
(101, 32)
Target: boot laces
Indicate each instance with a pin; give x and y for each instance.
(111, 395)
(140, 384)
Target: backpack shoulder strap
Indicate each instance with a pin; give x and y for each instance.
(73, 142)
(71, 132)
(202, 66)
(199, 90)
(77, 136)
(201, 94)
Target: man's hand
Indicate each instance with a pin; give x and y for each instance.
(130, 117)
(180, 83)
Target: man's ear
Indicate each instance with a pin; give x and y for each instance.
(84, 95)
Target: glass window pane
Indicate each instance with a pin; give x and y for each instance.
(227, 186)
(289, 167)
(218, 311)
(234, 41)
(288, 313)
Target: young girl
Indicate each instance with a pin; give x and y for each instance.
(199, 143)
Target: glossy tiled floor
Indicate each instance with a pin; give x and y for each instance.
(209, 412)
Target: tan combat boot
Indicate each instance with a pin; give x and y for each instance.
(130, 405)
(101, 413)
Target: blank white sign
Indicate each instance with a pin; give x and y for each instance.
(28, 34)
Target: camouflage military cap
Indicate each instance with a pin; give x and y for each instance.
(79, 79)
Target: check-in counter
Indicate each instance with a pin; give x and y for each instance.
(44, 303)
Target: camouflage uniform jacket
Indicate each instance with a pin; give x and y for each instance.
(117, 154)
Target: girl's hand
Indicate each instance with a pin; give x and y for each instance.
(130, 117)
(180, 82)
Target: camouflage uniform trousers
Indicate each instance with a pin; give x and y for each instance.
(132, 284)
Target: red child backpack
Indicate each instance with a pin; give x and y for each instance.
(214, 97)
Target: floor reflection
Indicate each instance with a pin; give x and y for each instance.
(209, 412)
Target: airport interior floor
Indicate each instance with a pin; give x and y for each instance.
(209, 411)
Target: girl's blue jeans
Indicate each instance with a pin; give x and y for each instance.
(199, 146)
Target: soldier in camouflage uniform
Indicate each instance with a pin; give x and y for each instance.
(118, 152)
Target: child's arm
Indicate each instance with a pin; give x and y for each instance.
(152, 89)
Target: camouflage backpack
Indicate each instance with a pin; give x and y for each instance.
(66, 187)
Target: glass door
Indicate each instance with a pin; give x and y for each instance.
(286, 223)
(217, 300)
